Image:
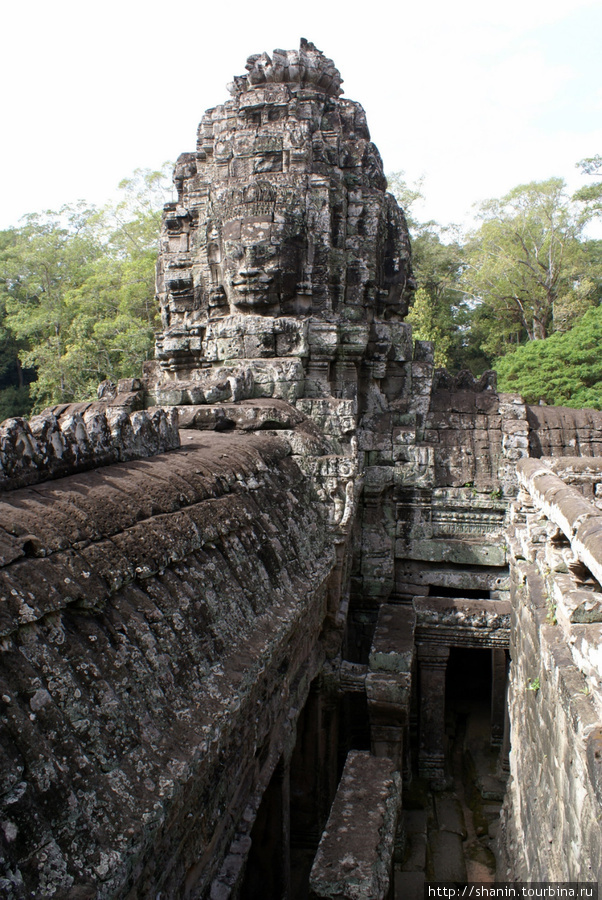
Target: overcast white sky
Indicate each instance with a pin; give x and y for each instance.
(473, 95)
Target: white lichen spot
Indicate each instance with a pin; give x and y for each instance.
(40, 699)
(26, 613)
(108, 863)
(10, 830)
(166, 787)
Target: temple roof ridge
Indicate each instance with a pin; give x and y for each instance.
(306, 67)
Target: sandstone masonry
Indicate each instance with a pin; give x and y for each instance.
(231, 591)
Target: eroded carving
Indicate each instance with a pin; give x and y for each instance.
(282, 211)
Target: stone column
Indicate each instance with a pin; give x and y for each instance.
(432, 660)
(503, 765)
(498, 695)
(388, 680)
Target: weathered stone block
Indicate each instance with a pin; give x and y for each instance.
(393, 643)
(354, 859)
(453, 551)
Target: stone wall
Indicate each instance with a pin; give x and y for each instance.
(79, 436)
(161, 626)
(553, 811)
(560, 431)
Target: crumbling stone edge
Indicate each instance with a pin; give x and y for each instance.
(77, 437)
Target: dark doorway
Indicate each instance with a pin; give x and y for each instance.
(436, 590)
(468, 679)
(266, 874)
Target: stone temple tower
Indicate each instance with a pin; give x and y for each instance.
(283, 245)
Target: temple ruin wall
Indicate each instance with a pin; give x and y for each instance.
(553, 809)
(162, 631)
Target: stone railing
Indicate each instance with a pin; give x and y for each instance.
(355, 855)
(81, 436)
(552, 826)
(562, 533)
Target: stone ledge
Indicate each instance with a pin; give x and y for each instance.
(478, 623)
(354, 858)
(73, 438)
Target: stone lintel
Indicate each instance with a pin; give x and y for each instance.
(460, 552)
(464, 637)
(415, 572)
(355, 854)
(464, 622)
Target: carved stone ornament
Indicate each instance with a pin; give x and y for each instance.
(282, 213)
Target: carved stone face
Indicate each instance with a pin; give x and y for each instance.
(258, 266)
(282, 212)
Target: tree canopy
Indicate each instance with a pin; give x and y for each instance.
(527, 267)
(439, 310)
(77, 295)
(562, 370)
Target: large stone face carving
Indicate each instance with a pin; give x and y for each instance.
(282, 213)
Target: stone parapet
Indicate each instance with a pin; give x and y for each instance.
(355, 855)
(76, 437)
(553, 810)
(579, 520)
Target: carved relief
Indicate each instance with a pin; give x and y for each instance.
(281, 211)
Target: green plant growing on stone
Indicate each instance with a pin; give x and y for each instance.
(551, 617)
(496, 494)
(533, 684)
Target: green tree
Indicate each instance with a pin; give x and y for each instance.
(439, 311)
(77, 288)
(527, 266)
(563, 370)
(591, 195)
(426, 327)
(14, 380)
(47, 258)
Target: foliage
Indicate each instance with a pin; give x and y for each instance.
(591, 195)
(424, 320)
(77, 292)
(527, 267)
(439, 311)
(591, 165)
(563, 370)
(406, 195)
(14, 381)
